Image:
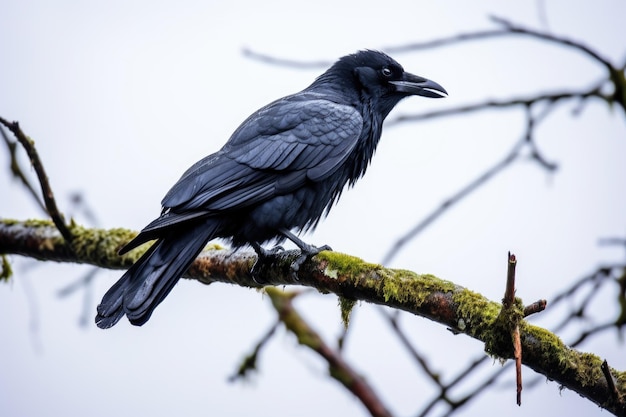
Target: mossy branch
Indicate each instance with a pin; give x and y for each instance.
(330, 272)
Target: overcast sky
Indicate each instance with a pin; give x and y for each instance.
(121, 97)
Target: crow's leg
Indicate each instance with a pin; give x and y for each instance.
(262, 255)
(307, 251)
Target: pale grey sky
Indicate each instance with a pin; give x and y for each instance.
(121, 97)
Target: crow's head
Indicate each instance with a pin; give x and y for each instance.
(379, 78)
(382, 75)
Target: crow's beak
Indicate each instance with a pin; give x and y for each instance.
(416, 85)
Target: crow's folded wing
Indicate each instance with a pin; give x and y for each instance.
(274, 152)
(292, 141)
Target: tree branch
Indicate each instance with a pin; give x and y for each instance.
(338, 368)
(424, 295)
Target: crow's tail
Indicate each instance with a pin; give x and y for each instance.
(142, 288)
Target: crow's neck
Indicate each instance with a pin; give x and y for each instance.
(370, 136)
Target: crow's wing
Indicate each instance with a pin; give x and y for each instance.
(274, 152)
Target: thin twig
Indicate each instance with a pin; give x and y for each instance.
(447, 41)
(393, 321)
(507, 303)
(249, 362)
(597, 329)
(17, 170)
(535, 307)
(531, 123)
(48, 195)
(509, 292)
(455, 405)
(609, 379)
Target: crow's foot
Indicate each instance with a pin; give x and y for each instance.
(306, 252)
(262, 256)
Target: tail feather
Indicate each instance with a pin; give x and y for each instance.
(146, 284)
(160, 225)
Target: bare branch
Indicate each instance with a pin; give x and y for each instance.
(338, 368)
(419, 358)
(17, 170)
(549, 97)
(283, 62)
(513, 28)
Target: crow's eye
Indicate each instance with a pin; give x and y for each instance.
(386, 72)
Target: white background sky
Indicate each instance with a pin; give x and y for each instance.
(121, 97)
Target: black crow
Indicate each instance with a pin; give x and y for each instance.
(281, 170)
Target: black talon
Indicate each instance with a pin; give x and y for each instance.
(306, 251)
(262, 256)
